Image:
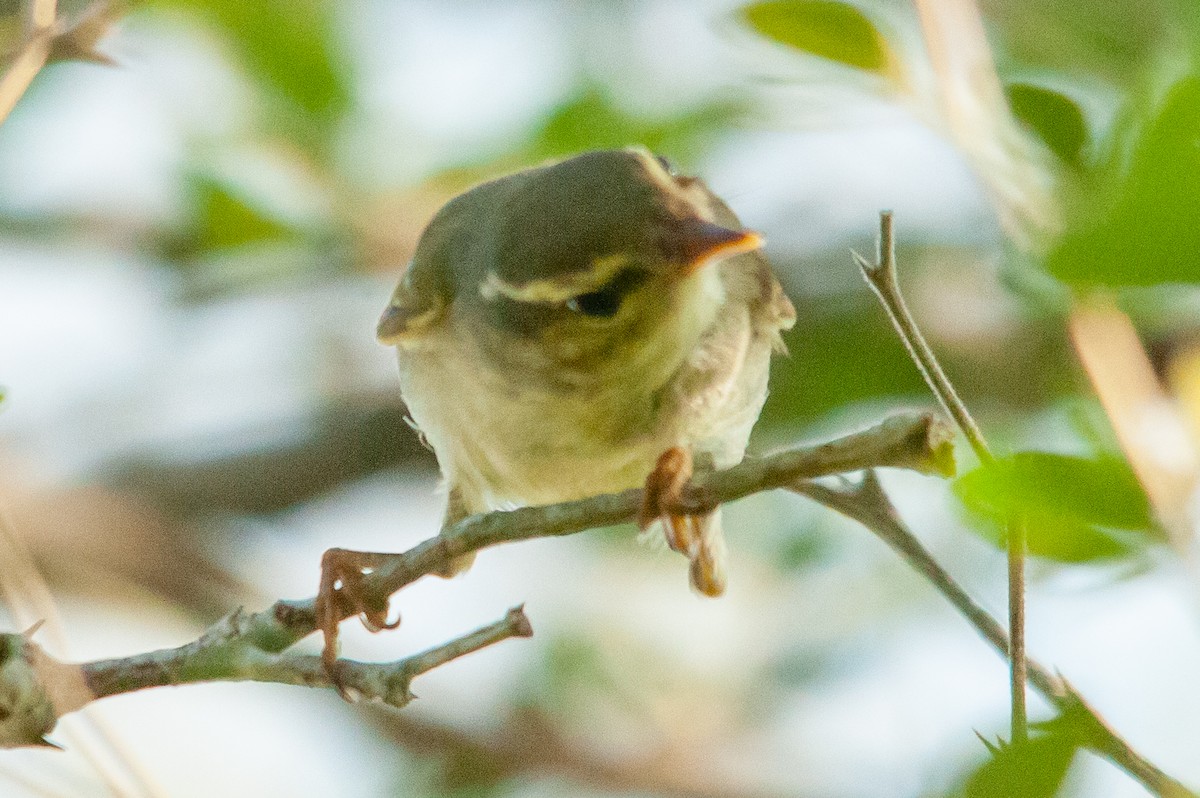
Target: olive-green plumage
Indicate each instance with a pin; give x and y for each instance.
(560, 327)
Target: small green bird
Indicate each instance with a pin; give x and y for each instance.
(580, 328)
(560, 328)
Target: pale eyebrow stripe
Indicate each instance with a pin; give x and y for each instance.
(555, 289)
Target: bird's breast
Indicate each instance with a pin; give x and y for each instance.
(504, 439)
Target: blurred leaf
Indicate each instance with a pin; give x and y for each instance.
(1069, 504)
(837, 31)
(592, 120)
(225, 220)
(1034, 768)
(1150, 235)
(289, 48)
(802, 550)
(1055, 119)
(1097, 39)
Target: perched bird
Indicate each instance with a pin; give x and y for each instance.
(561, 328)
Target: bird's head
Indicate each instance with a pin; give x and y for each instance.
(594, 263)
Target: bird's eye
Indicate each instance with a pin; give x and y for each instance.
(602, 304)
(667, 166)
(605, 302)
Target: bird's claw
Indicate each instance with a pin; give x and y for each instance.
(340, 595)
(687, 534)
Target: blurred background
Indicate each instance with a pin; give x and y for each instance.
(196, 241)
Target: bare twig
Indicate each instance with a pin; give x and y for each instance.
(867, 504)
(36, 689)
(529, 744)
(386, 682)
(48, 39)
(882, 278)
(919, 442)
(31, 57)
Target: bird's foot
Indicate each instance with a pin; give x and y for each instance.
(664, 490)
(693, 535)
(341, 595)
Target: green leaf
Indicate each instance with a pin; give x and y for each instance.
(593, 120)
(837, 31)
(1142, 230)
(1053, 117)
(1071, 506)
(1034, 768)
(225, 220)
(289, 48)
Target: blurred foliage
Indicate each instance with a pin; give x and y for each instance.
(1052, 117)
(833, 30)
(1114, 41)
(1070, 505)
(593, 120)
(290, 49)
(1138, 228)
(226, 220)
(830, 367)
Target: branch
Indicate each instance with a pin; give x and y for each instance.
(882, 279)
(38, 689)
(246, 646)
(867, 504)
(32, 56)
(49, 39)
(529, 744)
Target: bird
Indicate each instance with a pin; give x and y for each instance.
(585, 326)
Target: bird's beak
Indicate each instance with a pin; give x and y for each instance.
(700, 242)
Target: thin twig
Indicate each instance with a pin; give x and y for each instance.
(48, 39)
(883, 281)
(867, 504)
(387, 682)
(38, 689)
(881, 277)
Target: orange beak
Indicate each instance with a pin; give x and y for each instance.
(699, 242)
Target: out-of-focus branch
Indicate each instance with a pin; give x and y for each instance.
(248, 646)
(48, 38)
(867, 504)
(346, 440)
(529, 745)
(32, 56)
